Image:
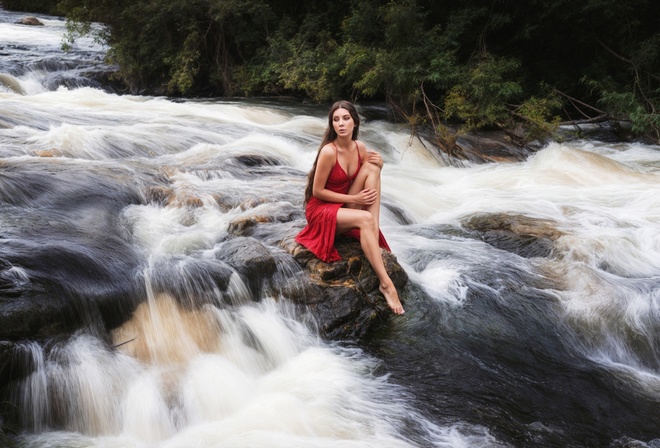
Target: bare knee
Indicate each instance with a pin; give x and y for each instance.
(366, 220)
(371, 169)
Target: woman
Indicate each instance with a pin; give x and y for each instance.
(343, 197)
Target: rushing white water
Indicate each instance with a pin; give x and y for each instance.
(32, 58)
(262, 379)
(251, 374)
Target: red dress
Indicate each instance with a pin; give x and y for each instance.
(319, 234)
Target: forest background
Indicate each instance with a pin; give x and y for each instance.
(451, 66)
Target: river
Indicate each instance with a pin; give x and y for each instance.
(548, 340)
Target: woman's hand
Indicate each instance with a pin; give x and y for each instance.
(365, 197)
(375, 158)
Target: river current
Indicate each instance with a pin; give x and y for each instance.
(546, 341)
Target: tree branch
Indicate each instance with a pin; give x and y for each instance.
(575, 100)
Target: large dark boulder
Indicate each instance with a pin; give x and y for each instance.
(343, 296)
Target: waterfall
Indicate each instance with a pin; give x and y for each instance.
(532, 311)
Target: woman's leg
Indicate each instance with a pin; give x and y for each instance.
(368, 177)
(348, 219)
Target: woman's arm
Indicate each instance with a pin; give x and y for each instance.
(370, 156)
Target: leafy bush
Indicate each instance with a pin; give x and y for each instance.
(485, 90)
(475, 63)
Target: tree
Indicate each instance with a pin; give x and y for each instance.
(471, 64)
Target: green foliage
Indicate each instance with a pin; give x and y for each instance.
(367, 68)
(310, 68)
(539, 116)
(175, 46)
(482, 96)
(407, 51)
(641, 112)
(303, 62)
(76, 29)
(637, 99)
(185, 65)
(474, 63)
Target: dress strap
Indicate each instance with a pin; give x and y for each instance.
(336, 153)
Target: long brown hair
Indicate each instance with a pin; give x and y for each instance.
(331, 135)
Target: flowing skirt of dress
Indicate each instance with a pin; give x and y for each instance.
(319, 234)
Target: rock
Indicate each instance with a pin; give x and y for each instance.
(342, 297)
(24, 311)
(11, 83)
(491, 147)
(253, 160)
(522, 235)
(269, 212)
(344, 300)
(192, 282)
(47, 153)
(30, 317)
(608, 131)
(159, 194)
(481, 146)
(167, 196)
(32, 21)
(251, 259)
(187, 200)
(6, 351)
(54, 291)
(135, 337)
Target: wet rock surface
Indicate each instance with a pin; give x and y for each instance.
(251, 259)
(343, 296)
(31, 21)
(522, 235)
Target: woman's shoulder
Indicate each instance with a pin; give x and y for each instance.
(328, 149)
(362, 148)
(327, 153)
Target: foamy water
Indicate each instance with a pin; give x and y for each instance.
(200, 363)
(252, 378)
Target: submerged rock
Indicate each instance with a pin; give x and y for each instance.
(265, 213)
(251, 259)
(522, 235)
(11, 83)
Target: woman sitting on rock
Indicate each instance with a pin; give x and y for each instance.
(343, 197)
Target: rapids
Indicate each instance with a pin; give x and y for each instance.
(503, 343)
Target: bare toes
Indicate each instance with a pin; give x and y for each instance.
(392, 299)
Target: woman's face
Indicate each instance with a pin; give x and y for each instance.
(343, 123)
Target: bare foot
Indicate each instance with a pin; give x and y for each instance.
(392, 298)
